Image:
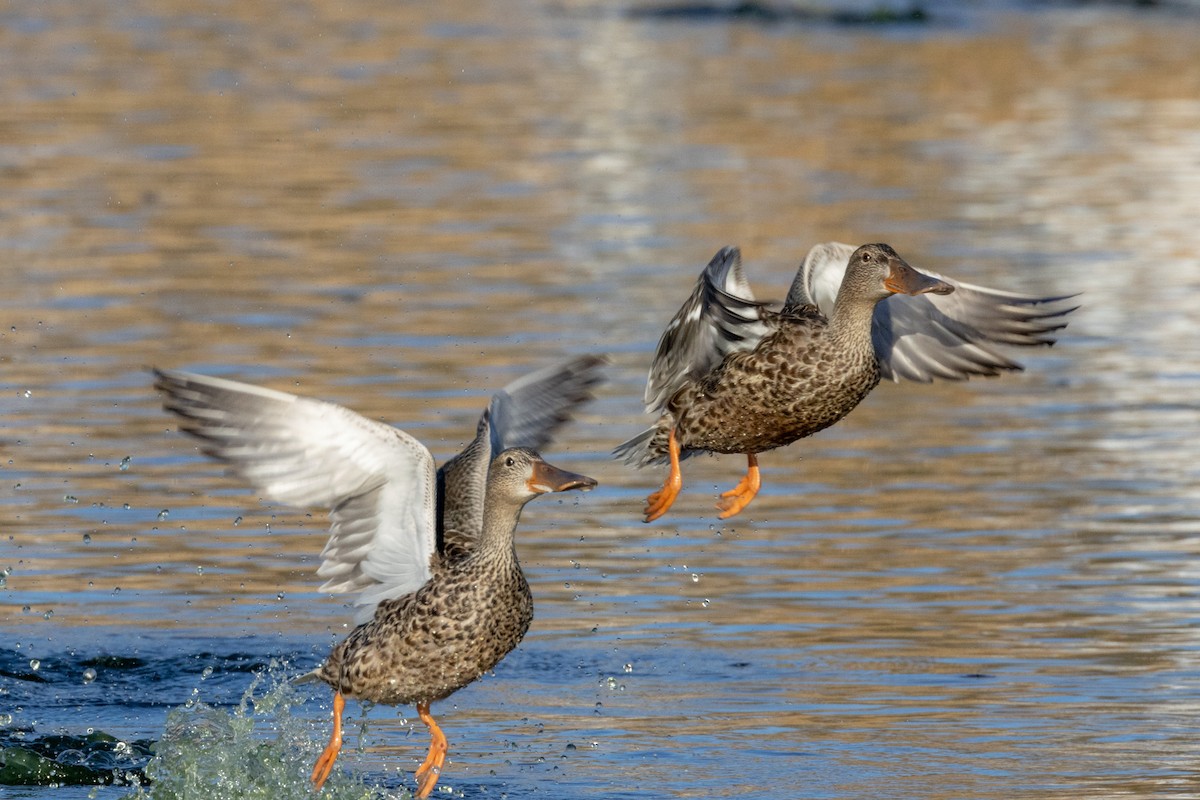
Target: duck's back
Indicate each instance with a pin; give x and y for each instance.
(797, 381)
(426, 645)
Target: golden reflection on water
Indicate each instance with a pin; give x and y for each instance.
(401, 209)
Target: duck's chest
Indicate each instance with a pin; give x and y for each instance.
(793, 385)
(431, 643)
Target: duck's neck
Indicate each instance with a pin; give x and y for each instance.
(850, 321)
(500, 517)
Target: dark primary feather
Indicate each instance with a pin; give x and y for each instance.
(720, 317)
(525, 413)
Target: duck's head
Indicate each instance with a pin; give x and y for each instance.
(881, 271)
(522, 474)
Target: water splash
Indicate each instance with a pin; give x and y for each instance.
(255, 750)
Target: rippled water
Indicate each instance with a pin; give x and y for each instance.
(985, 590)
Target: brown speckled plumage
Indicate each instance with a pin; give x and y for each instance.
(799, 380)
(426, 645)
(431, 553)
(732, 376)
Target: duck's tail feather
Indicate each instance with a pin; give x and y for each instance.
(309, 677)
(648, 447)
(637, 451)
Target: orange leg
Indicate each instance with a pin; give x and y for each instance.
(658, 503)
(431, 767)
(325, 763)
(740, 496)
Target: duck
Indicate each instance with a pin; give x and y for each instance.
(735, 375)
(441, 597)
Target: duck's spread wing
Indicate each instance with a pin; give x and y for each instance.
(529, 411)
(720, 317)
(948, 336)
(377, 481)
(820, 276)
(952, 337)
(525, 413)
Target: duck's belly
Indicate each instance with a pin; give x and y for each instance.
(426, 646)
(762, 415)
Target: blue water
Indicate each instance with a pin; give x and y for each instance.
(983, 591)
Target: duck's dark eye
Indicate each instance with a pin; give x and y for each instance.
(866, 256)
(510, 461)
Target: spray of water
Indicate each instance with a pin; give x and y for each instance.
(254, 751)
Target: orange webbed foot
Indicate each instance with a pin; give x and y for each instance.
(431, 768)
(658, 503)
(324, 764)
(740, 496)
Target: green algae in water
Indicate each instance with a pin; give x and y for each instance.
(256, 750)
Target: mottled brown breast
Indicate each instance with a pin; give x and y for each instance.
(427, 645)
(795, 383)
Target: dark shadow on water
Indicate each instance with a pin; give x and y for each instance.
(778, 13)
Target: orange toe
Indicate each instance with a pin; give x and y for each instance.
(431, 768)
(658, 503)
(737, 498)
(329, 755)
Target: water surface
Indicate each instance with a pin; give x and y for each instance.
(976, 591)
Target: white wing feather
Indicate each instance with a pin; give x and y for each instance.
(377, 481)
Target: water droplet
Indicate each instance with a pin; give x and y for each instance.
(70, 498)
(166, 512)
(89, 675)
(279, 596)
(628, 668)
(200, 570)
(24, 609)
(695, 578)
(570, 747)
(237, 521)
(706, 603)
(48, 614)
(127, 506)
(207, 673)
(87, 538)
(6, 719)
(567, 585)
(27, 393)
(125, 463)
(34, 664)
